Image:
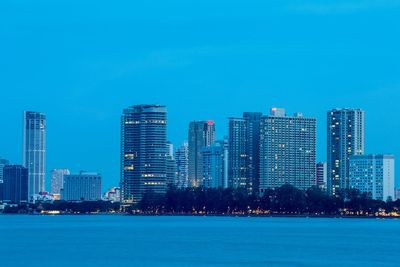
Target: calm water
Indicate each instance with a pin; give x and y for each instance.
(196, 241)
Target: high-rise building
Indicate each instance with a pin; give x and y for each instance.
(171, 165)
(182, 163)
(288, 151)
(3, 163)
(85, 186)
(34, 150)
(244, 151)
(143, 152)
(201, 135)
(345, 139)
(57, 180)
(214, 165)
(238, 169)
(322, 175)
(15, 184)
(374, 175)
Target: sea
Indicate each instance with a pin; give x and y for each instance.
(115, 240)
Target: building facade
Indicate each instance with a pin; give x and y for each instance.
(288, 151)
(244, 151)
(171, 165)
(214, 165)
(143, 152)
(346, 136)
(85, 186)
(182, 164)
(322, 175)
(374, 175)
(15, 184)
(3, 163)
(34, 150)
(201, 135)
(57, 180)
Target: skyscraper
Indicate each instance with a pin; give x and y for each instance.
(288, 151)
(34, 150)
(57, 180)
(143, 152)
(85, 186)
(214, 166)
(244, 151)
(345, 139)
(15, 184)
(238, 169)
(182, 163)
(373, 174)
(171, 165)
(201, 134)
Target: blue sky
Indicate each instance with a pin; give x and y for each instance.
(82, 62)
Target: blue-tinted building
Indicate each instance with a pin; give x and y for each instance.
(15, 184)
(85, 186)
(287, 151)
(345, 138)
(214, 165)
(34, 150)
(244, 152)
(143, 152)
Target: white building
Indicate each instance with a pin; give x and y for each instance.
(57, 180)
(85, 186)
(287, 151)
(373, 174)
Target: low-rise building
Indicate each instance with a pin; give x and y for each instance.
(85, 186)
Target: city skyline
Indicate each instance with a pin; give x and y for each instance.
(203, 61)
(115, 182)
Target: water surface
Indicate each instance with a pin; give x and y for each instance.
(97, 241)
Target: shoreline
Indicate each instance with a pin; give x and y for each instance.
(213, 215)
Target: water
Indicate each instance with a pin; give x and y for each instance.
(30, 241)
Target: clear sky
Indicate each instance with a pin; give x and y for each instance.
(81, 62)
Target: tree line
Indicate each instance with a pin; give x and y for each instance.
(283, 200)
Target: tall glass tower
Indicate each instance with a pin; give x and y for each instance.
(143, 152)
(34, 150)
(345, 139)
(201, 135)
(244, 151)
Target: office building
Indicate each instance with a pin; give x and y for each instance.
(15, 184)
(182, 164)
(201, 135)
(214, 165)
(374, 175)
(345, 139)
(322, 175)
(34, 150)
(85, 186)
(288, 151)
(244, 151)
(143, 152)
(57, 180)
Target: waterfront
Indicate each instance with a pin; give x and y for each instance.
(197, 241)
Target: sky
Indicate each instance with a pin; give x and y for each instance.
(82, 62)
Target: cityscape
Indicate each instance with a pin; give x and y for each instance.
(262, 152)
(256, 133)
